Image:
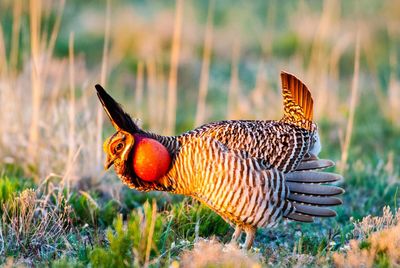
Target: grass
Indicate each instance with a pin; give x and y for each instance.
(176, 64)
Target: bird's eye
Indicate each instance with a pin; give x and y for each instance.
(119, 147)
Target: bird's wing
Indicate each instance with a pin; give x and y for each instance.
(238, 187)
(278, 144)
(297, 102)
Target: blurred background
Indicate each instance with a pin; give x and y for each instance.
(175, 65)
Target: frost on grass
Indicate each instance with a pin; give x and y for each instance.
(377, 242)
(369, 224)
(284, 257)
(32, 227)
(210, 253)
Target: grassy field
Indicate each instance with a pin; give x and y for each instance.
(175, 65)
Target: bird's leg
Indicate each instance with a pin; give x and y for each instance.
(236, 235)
(250, 234)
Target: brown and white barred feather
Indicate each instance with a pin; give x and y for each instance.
(243, 190)
(278, 144)
(238, 187)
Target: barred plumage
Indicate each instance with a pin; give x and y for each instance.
(251, 172)
(279, 144)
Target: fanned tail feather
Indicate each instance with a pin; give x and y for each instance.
(297, 102)
(315, 164)
(309, 194)
(314, 210)
(299, 217)
(315, 200)
(312, 177)
(313, 189)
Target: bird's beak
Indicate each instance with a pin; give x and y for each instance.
(109, 162)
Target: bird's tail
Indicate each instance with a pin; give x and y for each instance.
(297, 102)
(309, 193)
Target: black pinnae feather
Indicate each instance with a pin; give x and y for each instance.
(118, 117)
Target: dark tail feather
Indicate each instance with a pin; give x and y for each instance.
(312, 177)
(119, 118)
(300, 217)
(314, 211)
(314, 189)
(310, 197)
(315, 164)
(315, 200)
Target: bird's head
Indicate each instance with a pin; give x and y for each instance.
(117, 148)
(138, 159)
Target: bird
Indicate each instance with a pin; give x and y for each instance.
(252, 173)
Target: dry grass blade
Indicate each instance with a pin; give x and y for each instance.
(35, 7)
(377, 242)
(393, 96)
(353, 105)
(151, 93)
(33, 226)
(71, 114)
(15, 34)
(139, 89)
(173, 73)
(56, 28)
(103, 76)
(205, 68)
(207, 253)
(3, 58)
(151, 232)
(233, 94)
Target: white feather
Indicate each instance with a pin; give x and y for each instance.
(315, 148)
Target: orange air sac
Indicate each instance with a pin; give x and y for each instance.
(151, 159)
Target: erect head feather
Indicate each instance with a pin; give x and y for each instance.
(118, 117)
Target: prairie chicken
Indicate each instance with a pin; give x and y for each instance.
(250, 172)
